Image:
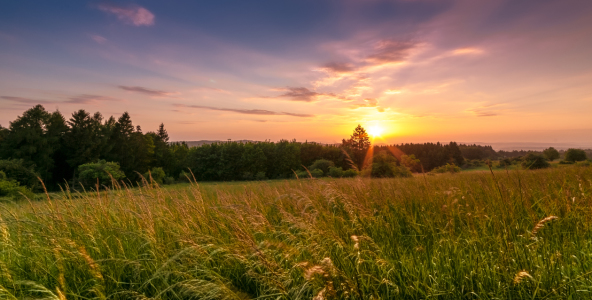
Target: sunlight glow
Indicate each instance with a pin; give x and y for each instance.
(375, 131)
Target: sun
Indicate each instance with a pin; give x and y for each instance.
(375, 131)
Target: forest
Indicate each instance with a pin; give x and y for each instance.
(88, 149)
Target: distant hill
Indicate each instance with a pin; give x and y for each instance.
(207, 142)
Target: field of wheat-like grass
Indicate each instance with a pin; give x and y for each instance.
(501, 235)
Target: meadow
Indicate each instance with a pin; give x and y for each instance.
(510, 234)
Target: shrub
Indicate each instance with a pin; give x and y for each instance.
(574, 155)
(13, 189)
(451, 168)
(412, 163)
(316, 173)
(506, 162)
(551, 153)
(185, 177)
(323, 165)
(385, 165)
(585, 163)
(534, 161)
(89, 173)
(169, 180)
(350, 173)
(15, 169)
(336, 172)
(260, 176)
(158, 175)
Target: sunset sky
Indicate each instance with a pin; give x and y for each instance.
(424, 70)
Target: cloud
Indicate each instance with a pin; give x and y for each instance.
(80, 99)
(99, 39)
(368, 102)
(299, 94)
(24, 100)
(390, 51)
(334, 67)
(142, 90)
(136, 15)
(247, 111)
(90, 99)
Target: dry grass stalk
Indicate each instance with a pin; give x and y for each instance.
(521, 275)
(541, 224)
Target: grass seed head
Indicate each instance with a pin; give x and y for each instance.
(521, 275)
(541, 224)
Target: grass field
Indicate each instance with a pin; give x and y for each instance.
(476, 235)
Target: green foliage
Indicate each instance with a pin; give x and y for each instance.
(357, 146)
(551, 153)
(350, 173)
(89, 173)
(448, 168)
(412, 163)
(322, 164)
(534, 161)
(317, 173)
(157, 174)
(504, 163)
(260, 176)
(434, 237)
(385, 165)
(15, 169)
(335, 172)
(12, 189)
(573, 155)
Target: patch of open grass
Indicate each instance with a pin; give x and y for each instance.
(511, 235)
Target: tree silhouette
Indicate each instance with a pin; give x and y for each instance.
(358, 145)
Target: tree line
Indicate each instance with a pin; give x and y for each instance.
(87, 148)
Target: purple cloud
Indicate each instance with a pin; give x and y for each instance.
(389, 51)
(300, 94)
(247, 111)
(142, 90)
(136, 15)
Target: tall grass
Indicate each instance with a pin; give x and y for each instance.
(507, 235)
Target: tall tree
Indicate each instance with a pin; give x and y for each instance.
(35, 137)
(358, 145)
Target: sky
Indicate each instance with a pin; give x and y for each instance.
(421, 70)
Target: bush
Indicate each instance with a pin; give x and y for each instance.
(323, 165)
(585, 163)
(316, 173)
(574, 155)
(186, 177)
(260, 176)
(534, 161)
(15, 169)
(451, 168)
(89, 173)
(563, 162)
(504, 163)
(169, 180)
(158, 175)
(350, 173)
(385, 165)
(412, 163)
(11, 188)
(551, 153)
(336, 172)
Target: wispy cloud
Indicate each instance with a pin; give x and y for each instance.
(334, 67)
(142, 90)
(24, 100)
(99, 39)
(90, 99)
(300, 94)
(247, 111)
(390, 51)
(79, 99)
(135, 15)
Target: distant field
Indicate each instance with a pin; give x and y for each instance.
(511, 235)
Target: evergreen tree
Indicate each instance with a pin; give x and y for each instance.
(358, 146)
(35, 137)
